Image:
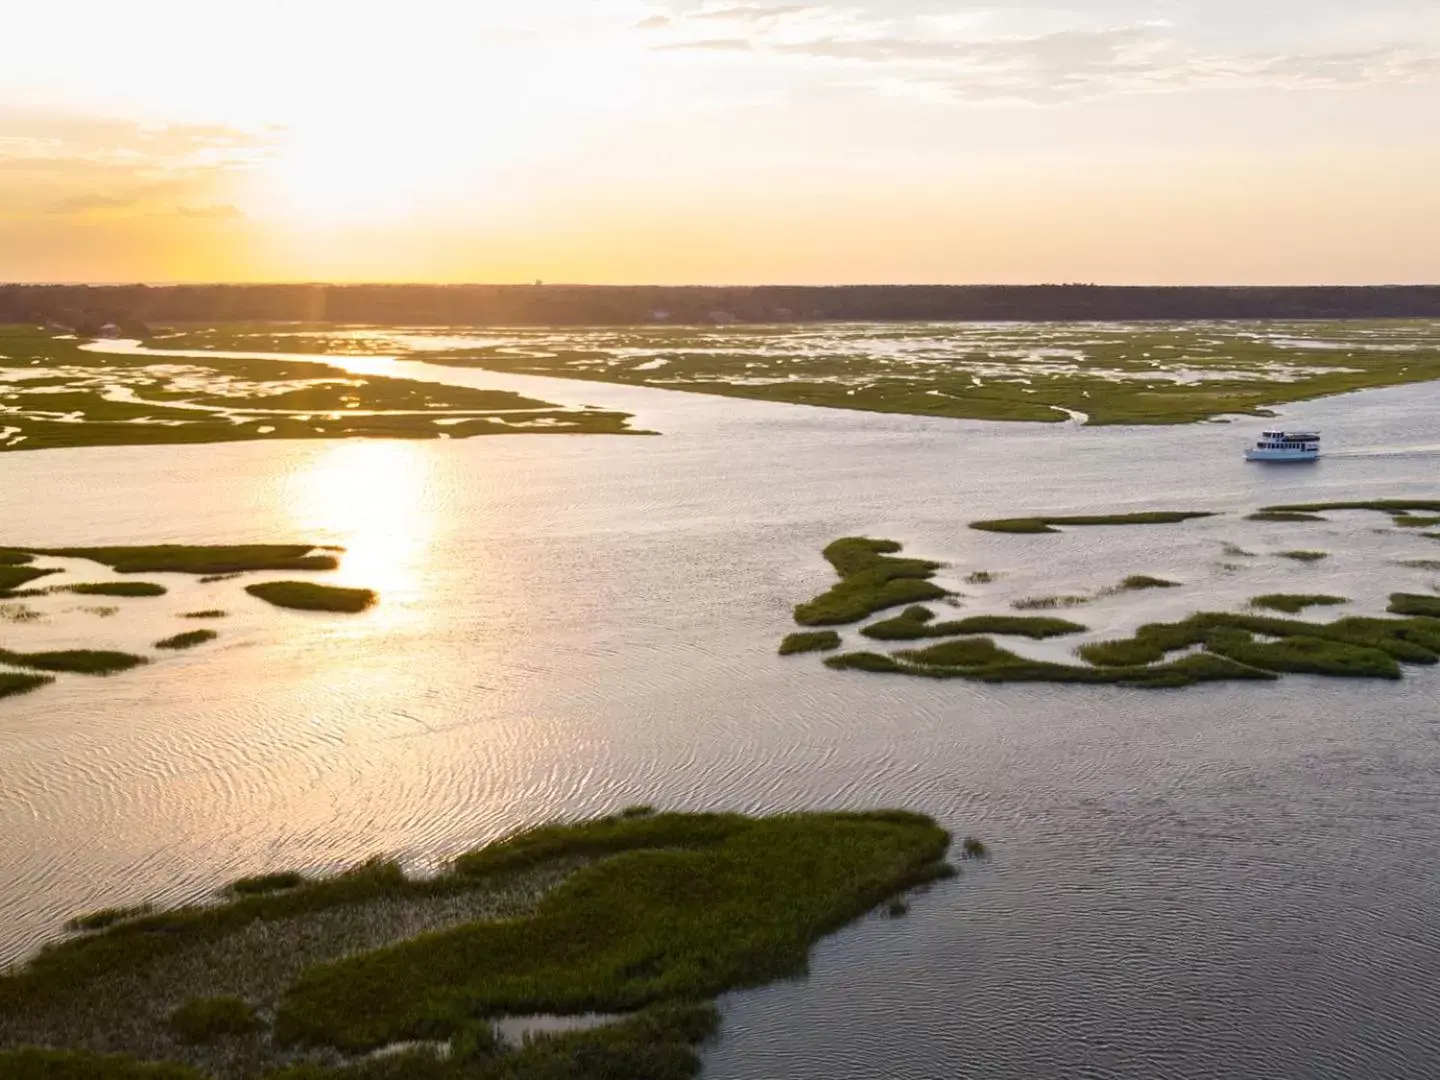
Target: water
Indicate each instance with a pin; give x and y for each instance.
(1230, 881)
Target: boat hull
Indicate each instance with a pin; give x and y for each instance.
(1281, 455)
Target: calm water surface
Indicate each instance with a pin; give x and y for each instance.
(1221, 882)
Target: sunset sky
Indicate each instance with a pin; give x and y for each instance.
(1169, 141)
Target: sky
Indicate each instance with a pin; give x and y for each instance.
(722, 141)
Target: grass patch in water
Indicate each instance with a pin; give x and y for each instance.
(877, 663)
(187, 640)
(1283, 515)
(871, 579)
(117, 588)
(1304, 556)
(194, 559)
(1137, 582)
(917, 623)
(12, 557)
(983, 577)
(75, 661)
(819, 641)
(1048, 524)
(1387, 506)
(1050, 603)
(214, 613)
(1294, 603)
(308, 596)
(13, 683)
(1415, 521)
(1420, 564)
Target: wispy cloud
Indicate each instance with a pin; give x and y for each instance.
(1068, 65)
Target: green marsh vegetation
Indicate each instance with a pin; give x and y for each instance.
(872, 579)
(819, 641)
(917, 623)
(1294, 603)
(261, 884)
(308, 596)
(1038, 372)
(13, 683)
(650, 917)
(75, 661)
(1283, 515)
(101, 920)
(187, 640)
(221, 559)
(210, 613)
(1050, 603)
(1409, 604)
(1048, 524)
(983, 577)
(56, 396)
(15, 578)
(1420, 564)
(117, 588)
(1304, 556)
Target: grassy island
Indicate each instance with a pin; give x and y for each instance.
(1294, 603)
(15, 577)
(871, 579)
(646, 917)
(13, 683)
(1305, 556)
(76, 661)
(308, 596)
(917, 623)
(201, 559)
(117, 588)
(819, 641)
(187, 640)
(1049, 524)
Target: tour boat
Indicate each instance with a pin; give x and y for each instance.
(1285, 446)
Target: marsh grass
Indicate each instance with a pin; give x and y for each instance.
(12, 557)
(873, 662)
(1050, 603)
(1388, 506)
(13, 683)
(117, 588)
(1048, 524)
(1294, 603)
(1420, 564)
(871, 579)
(1414, 521)
(819, 641)
(13, 577)
(1137, 582)
(203, 1020)
(103, 919)
(36, 1064)
(974, 848)
(214, 613)
(308, 596)
(686, 907)
(19, 613)
(1283, 515)
(917, 623)
(75, 661)
(1416, 606)
(263, 884)
(1304, 556)
(187, 640)
(208, 560)
(983, 577)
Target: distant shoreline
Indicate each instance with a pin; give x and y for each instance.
(613, 305)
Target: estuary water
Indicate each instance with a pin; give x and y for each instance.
(1226, 881)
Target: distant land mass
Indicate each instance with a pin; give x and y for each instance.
(87, 307)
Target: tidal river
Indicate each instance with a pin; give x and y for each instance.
(1221, 882)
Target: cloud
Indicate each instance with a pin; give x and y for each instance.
(1071, 65)
(755, 13)
(84, 204)
(219, 210)
(655, 22)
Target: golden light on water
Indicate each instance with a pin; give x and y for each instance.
(369, 496)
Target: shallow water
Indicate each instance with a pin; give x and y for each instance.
(1229, 881)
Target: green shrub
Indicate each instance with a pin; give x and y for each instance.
(204, 1020)
(307, 596)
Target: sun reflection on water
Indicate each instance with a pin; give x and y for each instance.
(369, 497)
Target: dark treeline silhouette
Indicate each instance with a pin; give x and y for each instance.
(87, 307)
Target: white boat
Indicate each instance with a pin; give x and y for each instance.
(1285, 446)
